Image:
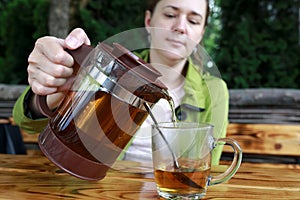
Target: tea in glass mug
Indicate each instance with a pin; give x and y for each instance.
(182, 157)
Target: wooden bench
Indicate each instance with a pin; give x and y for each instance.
(264, 106)
(266, 143)
(266, 123)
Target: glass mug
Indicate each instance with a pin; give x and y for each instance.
(101, 111)
(181, 153)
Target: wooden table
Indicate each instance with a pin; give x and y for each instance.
(34, 177)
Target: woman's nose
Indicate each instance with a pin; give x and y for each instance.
(180, 25)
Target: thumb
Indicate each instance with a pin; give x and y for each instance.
(76, 38)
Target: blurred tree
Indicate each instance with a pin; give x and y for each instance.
(104, 18)
(254, 43)
(22, 22)
(74, 12)
(58, 22)
(258, 46)
(213, 29)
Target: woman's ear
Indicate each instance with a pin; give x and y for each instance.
(147, 19)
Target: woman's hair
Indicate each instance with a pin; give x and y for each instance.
(151, 4)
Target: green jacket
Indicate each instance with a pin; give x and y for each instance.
(206, 100)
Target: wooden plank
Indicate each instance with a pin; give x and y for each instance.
(35, 177)
(265, 96)
(262, 105)
(10, 92)
(30, 138)
(264, 165)
(4, 121)
(266, 115)
(5, 114)
(270, 110)
(272, 139)
(261, 121)
(7, 103)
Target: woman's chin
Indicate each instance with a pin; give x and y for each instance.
(175, 54)
(172, 52)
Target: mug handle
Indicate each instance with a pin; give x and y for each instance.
(236, 162)
(79, 56)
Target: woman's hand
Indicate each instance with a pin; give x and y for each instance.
(50, 66)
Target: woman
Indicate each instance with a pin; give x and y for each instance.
(175, 29)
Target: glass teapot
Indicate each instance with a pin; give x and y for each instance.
(102, 110)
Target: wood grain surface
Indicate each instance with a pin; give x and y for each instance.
(34, 177)
(272, 139)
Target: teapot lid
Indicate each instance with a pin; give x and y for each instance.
(133, 63)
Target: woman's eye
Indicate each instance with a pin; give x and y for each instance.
(170, 15)
(194, 21)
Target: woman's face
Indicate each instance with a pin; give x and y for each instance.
(176, 27)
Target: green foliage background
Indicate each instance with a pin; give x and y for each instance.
(255, 43)
(259, 45)
(22, 22)
(102, 19)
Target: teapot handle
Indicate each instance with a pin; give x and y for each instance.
(41, 104)
(78, 55)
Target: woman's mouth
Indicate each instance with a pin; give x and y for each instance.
(176, 42)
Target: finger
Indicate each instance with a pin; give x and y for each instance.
(53, 49)
(39, 62)
(45, 79)
(67, 85)
(39, 89)
(76, 38)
